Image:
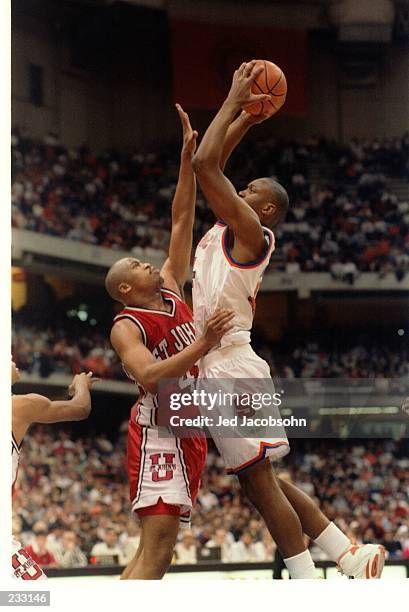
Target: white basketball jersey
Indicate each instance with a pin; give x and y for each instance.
(15, 458)
(220, 281)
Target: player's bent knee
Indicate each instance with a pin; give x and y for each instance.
(260, 470)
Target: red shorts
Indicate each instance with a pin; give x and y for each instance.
(164, 473)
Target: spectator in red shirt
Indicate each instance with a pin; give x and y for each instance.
(38, 551)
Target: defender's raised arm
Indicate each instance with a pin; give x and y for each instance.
(176, 268)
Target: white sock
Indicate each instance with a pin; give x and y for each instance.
(333, 542)
(301, 565)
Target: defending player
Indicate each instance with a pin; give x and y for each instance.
(33, 408)
(154, 338)
(229, 264)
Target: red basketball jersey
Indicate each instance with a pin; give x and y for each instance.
(164, 334)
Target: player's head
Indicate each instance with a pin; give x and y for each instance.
(15, 374)
(129, 280)
(268, 199)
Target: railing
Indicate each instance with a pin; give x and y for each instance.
(44, 254)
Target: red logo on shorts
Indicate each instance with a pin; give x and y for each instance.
(165, 465)
(25, 567)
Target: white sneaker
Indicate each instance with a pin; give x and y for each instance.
(363, 561)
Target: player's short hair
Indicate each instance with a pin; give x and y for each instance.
(116, 274)
(281, 200)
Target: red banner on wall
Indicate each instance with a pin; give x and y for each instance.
(204, 57)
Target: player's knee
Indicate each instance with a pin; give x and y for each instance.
(158, 548)
(257, 479)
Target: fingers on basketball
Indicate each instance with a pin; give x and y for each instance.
(269, 79)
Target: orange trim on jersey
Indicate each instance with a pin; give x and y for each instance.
(264, 446)
(252, 264)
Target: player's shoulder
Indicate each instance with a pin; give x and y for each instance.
(125, 323)
(24, 404)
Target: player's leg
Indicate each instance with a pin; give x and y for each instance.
(262, 487)
(159, 533)
(132, 563)
(313, 521)
(365, 561)
(161, 469)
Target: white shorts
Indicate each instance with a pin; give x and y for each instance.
(241, 362)
(24, 567)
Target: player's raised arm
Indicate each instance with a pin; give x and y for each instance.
(34, 408)
(219, 191)
(140, 363)
(176, 268)
(235, 133)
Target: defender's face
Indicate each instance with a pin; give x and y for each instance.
(143, 276)
(15, 374)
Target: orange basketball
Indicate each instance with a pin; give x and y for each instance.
(270, 81)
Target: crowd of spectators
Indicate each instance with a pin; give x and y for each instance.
(310, 360)
(348, 223)
(47, 351)
(71, 504)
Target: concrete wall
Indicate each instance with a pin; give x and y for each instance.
(77, 105)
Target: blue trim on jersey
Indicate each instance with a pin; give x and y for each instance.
(249, 264)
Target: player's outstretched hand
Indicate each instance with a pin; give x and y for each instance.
(81, 380)
(189, 135)
(240, 93)
(217, 325)
(405, 406)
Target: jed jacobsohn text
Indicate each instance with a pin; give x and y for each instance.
(208, 400)
(235, 421)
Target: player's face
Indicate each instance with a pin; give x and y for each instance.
(257, 194)
(15, 374)
(144, 276)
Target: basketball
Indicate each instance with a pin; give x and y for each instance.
(271, 81)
